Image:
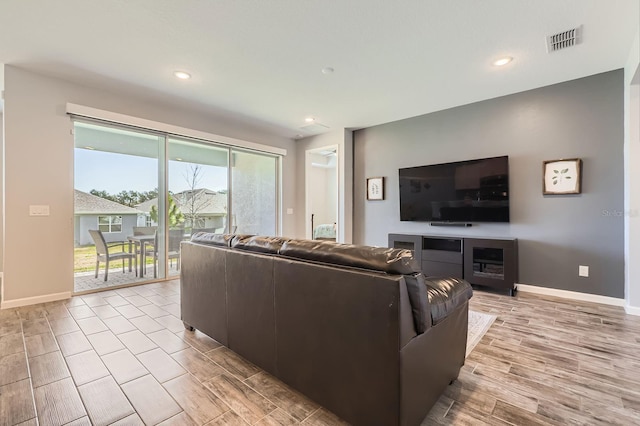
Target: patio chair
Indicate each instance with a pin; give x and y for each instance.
(175, 238)
(173, 250)
(104, 253)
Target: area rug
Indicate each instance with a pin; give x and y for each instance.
(479, 324)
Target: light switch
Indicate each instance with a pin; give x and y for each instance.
(289, 210)
(39, 210)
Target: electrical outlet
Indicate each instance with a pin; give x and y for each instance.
(583, 271)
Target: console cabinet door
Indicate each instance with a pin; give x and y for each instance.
(491, 263)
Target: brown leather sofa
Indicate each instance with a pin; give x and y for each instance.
(357, 329)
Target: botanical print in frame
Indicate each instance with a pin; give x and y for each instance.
(562, 176)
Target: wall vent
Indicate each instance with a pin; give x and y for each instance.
(564, 39)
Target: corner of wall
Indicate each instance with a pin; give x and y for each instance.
(631, 177)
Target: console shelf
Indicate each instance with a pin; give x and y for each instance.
(490, 262)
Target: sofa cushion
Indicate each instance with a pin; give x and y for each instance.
(419, 301)
(392, 261)
(223, 240)
(258, 243)
(445, 295)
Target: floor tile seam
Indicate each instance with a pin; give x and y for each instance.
(264, 396)
(574, 387)
(449, 408)
(177, 403)
(85, 405)
(134, 407)
(587, 401)
(224, 402)
(519, 392)
(240, 378)
(310, 415)
(539, 395)
(32, 390)
(511, 423)
(530, 353)
(19, 333)
(581, 351)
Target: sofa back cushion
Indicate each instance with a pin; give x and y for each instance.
(211, 239)
(259, 244)
(391, 261)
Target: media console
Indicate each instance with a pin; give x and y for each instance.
(490, 262)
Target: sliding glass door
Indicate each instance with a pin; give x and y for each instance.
(139, 194)
(198, 192)
(117, 177)
(254, 194)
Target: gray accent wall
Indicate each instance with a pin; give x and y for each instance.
(581, 118)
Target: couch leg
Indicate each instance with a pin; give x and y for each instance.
(187, 326)
(452, 382)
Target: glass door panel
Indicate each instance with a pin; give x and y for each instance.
(198, 192)
(116, 181)
(254, 193)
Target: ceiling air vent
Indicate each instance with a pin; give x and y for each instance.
(564, 39)
(314, 128)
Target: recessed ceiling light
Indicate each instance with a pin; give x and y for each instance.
(182, 75)
(309, 119)
(178, 159)
(89, 147)
(502, 61)
(327, 70)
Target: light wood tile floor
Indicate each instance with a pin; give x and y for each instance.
(122, 357)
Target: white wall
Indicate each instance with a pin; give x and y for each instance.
(343, 138)
(39, 170)
(1, 187)
(632, 177)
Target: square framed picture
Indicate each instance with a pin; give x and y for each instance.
(562, 176)
(375, 188)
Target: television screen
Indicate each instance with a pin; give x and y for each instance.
(464, 191)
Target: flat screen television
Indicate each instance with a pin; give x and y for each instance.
(464, 191)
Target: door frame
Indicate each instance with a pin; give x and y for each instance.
(307, 190)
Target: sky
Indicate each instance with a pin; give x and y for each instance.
(114, 172)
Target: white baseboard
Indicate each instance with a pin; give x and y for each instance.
(6, 304)
(632, 310)
(565, 294)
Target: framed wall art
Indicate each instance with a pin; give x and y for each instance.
(375, 188)
(562, 176)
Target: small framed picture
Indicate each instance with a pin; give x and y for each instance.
(562, 176)
(375, 188)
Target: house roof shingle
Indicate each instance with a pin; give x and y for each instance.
(90, 204)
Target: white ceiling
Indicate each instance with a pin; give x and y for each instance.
(263, 59)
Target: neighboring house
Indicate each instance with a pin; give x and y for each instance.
(202, 208)
(116, 221)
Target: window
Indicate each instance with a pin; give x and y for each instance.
(110, 223)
